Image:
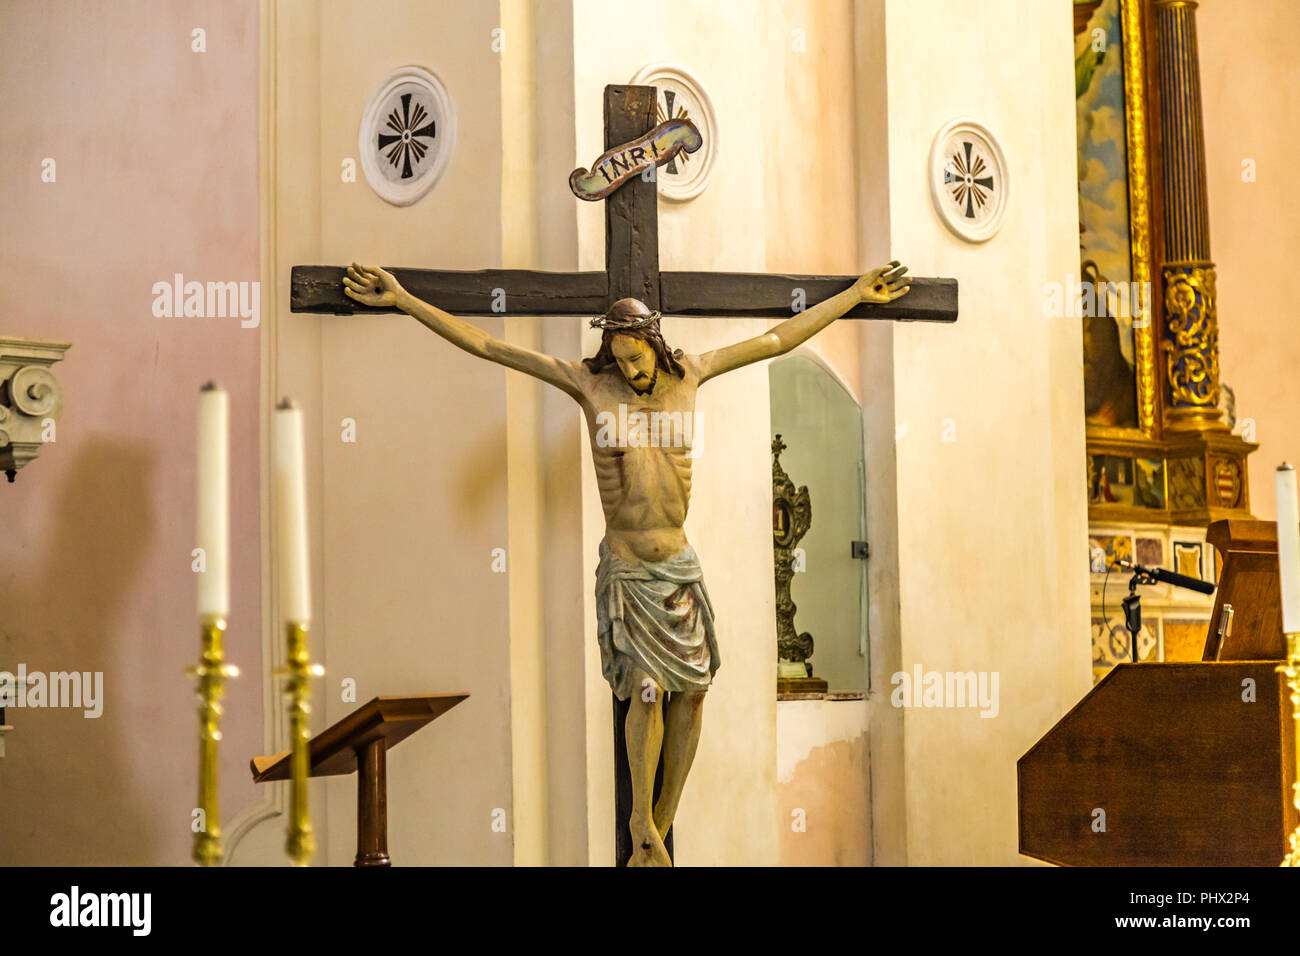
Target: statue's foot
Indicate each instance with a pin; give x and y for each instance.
(648, 848)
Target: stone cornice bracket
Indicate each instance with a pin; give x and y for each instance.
(31, 399)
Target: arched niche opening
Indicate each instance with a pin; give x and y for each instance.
(821, 425)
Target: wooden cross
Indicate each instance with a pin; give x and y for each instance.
(631, 269)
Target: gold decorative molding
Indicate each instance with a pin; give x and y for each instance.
(1139, 206)
(1291, 670)
(1205, 478)
(1191, 347)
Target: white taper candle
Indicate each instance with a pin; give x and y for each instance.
(291, 505)
(213, 501)
(1288, 546)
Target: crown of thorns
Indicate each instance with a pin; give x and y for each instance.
(624, 323)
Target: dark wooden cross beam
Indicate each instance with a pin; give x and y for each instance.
(727, 295)
(631, 269)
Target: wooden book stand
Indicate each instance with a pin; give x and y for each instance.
(360, 742)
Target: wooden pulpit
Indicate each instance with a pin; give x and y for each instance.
(360, 742)
(1250, 585)
(1178, 763)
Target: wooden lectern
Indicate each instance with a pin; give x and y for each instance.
(360, 742)
(1178, 763)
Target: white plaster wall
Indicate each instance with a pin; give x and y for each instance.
(403, 522)
(989, 526)
(813, 167)
(411, 523)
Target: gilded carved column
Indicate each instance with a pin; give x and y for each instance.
(1191, 340)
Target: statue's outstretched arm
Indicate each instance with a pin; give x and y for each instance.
(371, 285)
(885, 284)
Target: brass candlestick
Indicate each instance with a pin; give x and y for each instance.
(1292, 671)
(297, 674)
(211, 673)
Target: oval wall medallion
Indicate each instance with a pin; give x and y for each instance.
(968, 179)
(408, 133)
(682, 95)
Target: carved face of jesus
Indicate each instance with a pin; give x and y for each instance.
(636, 360)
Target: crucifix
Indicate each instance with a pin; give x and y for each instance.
(656, 629)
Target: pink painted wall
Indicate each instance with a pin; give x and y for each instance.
(1249, 74)
(157, 172)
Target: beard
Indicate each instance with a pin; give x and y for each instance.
(644, 384)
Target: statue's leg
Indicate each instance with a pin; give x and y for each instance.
(645, 734)
(681, 736)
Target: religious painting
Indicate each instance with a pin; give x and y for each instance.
(1187, 558)
(1151, 552)
(1184, 639)
(1149, 482)
(1110, 480)
(1121, 480)
(1108, 550)
(1113, 296)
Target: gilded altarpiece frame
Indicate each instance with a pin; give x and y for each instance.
(1138, 468)
(1097, 74)
(1158, 472)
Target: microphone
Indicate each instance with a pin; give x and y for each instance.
(1170, 577)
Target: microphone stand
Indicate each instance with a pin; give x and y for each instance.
(1133, 603)
(1133, 608)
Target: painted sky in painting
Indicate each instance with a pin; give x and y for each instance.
(1103, 168)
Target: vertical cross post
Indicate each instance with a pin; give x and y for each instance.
(631, 211)
(632, 263)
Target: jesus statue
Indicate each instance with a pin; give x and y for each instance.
(655, 622)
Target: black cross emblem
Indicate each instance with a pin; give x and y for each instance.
(963, 172)
(405, 138)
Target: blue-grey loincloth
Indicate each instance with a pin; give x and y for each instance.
(654, 616)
